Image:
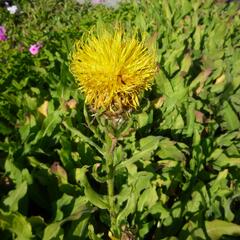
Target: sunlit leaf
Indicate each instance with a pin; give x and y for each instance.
(217, 228)
(17, 224)
(15, 195)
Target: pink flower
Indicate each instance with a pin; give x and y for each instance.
(3, 36)
(34, 48)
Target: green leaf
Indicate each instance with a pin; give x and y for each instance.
(200, 80)
(128, 209)
(145, 229)
(137, 183)
(15, 195)
(142, 119)
(4, 129)
(78, 229)
(30, 102)
(147, 199)
(141, 22)
(63, 201)
(223, 160)
(159, 209)
(37, 222)
(190, 119)
(37, 164)
(149, 143)
(50, 123)
(147, 146)
(167, 11)
(96, 199)
(84, 138)
(51, 231)
(220, 183)
(230, 117)
(163, 84)
(81, 210)
(217, 228)
(92, 235)
(226, 139)
(24, 132)
(14, 172)
(186, 7)
(197, 37)
(186, 63)
(171, 63)
(123, 195)
(168, 150)
(17, 224)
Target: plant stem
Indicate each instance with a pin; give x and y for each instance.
(110, 181)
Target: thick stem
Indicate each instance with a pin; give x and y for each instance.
(110, 181)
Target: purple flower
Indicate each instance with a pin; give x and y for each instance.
(3, 36)
(34, 48)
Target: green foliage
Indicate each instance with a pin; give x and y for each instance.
(177, 159)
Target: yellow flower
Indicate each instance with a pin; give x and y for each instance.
(112, 69)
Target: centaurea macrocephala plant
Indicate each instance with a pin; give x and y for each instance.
(112, 70)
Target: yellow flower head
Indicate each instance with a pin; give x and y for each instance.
(112, 70)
